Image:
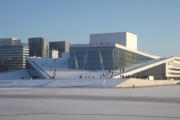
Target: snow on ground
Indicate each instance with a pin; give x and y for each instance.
(88, 83)
(15, 75)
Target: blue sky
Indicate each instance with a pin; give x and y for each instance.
(156, 22)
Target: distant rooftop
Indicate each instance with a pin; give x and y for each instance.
(115, 33)
(10, 42)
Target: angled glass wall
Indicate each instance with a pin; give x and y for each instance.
(103, 58)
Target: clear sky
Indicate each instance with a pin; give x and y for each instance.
(156, 22)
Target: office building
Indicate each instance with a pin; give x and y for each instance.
(13, 54)
(38, 47)
(61, 46)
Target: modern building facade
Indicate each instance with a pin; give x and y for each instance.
(61, 46)
(126, 39)
(107, 51)
(105, 57)
(13, 54)
(38, 47)
(163, 68)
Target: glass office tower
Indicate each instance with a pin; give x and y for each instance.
(103, 57)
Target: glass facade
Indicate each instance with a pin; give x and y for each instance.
(103, 58)
(13, 57)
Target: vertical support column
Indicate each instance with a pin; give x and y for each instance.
(113, 58)
(101, 61)
(76, 63)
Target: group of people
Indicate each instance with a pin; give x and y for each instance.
(110, 74)
(87, 76)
